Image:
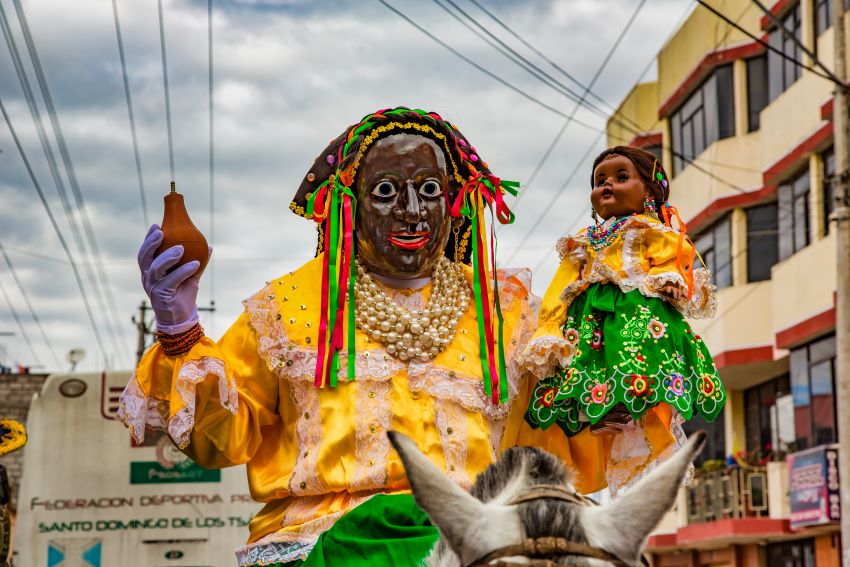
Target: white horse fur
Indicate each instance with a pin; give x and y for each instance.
(476, 523)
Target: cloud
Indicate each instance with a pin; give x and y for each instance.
(289, 75)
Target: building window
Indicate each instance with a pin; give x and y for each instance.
(765, 406)
(798, 553)
(813, 388)
(715, 247)
(756, 91)
(823, 14)
(828, 160)
(715, 445)
(762, 241)
(781, 72)
(706, 116)
(656, 150)
(794, 215)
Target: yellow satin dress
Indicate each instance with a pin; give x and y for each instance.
(313, 454)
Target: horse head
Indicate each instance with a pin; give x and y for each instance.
(523, 510)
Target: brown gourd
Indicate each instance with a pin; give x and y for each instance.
(178, 229)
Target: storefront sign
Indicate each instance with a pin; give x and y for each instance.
(814, 486)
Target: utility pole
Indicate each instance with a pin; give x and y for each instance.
(143, 329)
(841, 216)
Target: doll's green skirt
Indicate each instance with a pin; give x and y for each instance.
(629, 349)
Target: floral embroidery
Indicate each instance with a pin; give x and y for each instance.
(640, 385)
(599, 393)
(571, 335)
(450, 419)
(596, 341)
(676, 384)
(657, 329)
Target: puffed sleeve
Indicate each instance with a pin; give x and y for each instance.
(212, 401)
(661, 253)
(547, 347)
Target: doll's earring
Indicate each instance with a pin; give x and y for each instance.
(594, 216)
(649, 206)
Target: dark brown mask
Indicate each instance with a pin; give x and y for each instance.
(403, 221)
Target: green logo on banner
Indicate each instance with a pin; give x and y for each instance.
(151, 472)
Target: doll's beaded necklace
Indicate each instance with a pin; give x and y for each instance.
(601, 236)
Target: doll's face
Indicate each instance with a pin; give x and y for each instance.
(618, 189)
(403, 221)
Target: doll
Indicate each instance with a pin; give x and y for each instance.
(613, 342)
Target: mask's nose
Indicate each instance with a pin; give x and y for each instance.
(409, 210)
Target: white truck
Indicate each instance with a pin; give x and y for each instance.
(90, 497)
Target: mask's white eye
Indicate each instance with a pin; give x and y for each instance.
(384, 190)
(430, 188)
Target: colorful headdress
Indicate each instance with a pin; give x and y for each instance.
(327, 195)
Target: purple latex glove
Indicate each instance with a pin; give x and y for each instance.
(172, 295)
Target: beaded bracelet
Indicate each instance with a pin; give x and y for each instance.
(175, 345)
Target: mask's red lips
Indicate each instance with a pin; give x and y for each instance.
(409, 240)
(607, 192)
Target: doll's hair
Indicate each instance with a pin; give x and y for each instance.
(648, 167)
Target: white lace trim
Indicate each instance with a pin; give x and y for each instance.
(450, 419)
(703, 303)
(308, 433)
(497, 431)
(372, 446)
(283, 546)
(631, 450)
(298, 363)
(274, 552)
(544, 354)
(137, 410)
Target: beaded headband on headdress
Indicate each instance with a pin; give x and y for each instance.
(332, 204)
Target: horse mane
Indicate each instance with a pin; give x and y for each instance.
(517, 469)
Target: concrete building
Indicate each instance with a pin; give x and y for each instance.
(746, 137)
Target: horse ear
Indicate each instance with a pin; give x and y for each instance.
(622, 527)
(470, 527)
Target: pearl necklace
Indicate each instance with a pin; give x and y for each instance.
(601, 237)
(420, 335)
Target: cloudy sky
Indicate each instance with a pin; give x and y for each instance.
(289, 75)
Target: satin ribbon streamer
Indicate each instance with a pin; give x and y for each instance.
(334, 204)
(478, 194)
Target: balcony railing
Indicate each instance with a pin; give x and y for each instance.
(728, 494)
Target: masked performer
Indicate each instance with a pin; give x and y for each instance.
(396, 323)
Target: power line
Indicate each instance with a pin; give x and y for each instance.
(62, 241)
(483, 69)
(18, 321)
(130, 113)
(49, 155)
(548, 208)
(22, 290)
(165, 88)
(587, 90)
(768, 46)
(212, 154)
(798, 43)
(69, 170)
(493, 41)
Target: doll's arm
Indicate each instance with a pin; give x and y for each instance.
(547, 348)
(665, 264)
